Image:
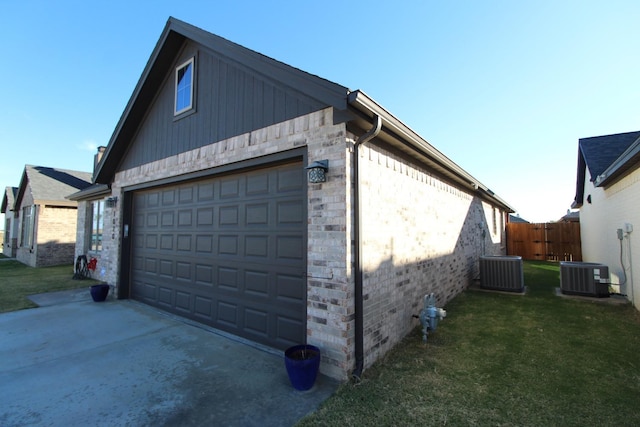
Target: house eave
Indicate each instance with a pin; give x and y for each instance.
(620, 166)
(56, 203)
(400, 135)
(92, 192)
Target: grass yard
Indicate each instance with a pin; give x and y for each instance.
(505, 360)
(17, 281)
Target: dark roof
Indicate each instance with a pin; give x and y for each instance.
(600, 152)
(94, 191)
(8, 199)
(50, 185)
(606, 158)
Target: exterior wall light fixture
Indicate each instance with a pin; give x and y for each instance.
(111, 202)
(318, 171)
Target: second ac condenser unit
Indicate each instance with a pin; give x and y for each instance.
(502, 273)
(584, 278)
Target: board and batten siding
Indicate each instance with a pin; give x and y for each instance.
(229, 100)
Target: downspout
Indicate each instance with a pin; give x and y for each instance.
(357, 237)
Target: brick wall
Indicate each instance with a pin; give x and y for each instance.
(420, 235)
(107, 258)
(56, 235)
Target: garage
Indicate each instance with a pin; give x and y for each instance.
(227, 250)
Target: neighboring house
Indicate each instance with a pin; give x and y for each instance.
(608, 196)
(209, 213)
(570, 217)
(517, 219)
(10, 240)
(46, 219)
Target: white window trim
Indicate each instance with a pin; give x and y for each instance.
(177, 112)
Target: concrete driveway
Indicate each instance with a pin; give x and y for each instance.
(75, 362)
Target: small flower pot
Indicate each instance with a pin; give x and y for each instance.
(99, 292)
(302, 363)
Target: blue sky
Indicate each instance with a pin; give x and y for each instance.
(503, 88)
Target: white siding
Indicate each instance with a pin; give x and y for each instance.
(610, 209)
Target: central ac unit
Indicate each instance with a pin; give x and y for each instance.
(584, 278)
(502, 273)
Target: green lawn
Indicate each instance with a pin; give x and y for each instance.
(505, 360)
(17, 281)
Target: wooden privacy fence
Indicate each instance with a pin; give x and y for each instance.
(553, 241)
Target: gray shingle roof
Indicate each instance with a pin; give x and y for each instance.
(52, 184)
(8, 199)
(601, 151)
(611, 153)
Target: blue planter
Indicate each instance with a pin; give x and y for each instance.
(302, 362)
(99, 292)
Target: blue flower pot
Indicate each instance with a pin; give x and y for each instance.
(302, 363)
(99, 292)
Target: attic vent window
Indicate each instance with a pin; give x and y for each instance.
(184, 87)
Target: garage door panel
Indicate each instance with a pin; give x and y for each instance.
(185, 194)
(151, 241)
(183, 301)
(289, 248)
(166, 268)
(227, 314)
(184, 243)
(229, 216)
(145, 292)
(256, 246)
(227, 251)
(228, 278)
(257, 283)
(256, 322)
(205, 191)
(230, 188)
(167, 219)
(228, 244)
(290, 289)
(185, 218)
(151, 220)
(166, 242)
(288, 329)
(204, 274)
(183, 271)
(202, 307)
(204, 217)
(257, 214)
(165, 296)
(150, 265)
(290, 212)
(288, 180)
(151, 200)
(204, 243)
(168, 197)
